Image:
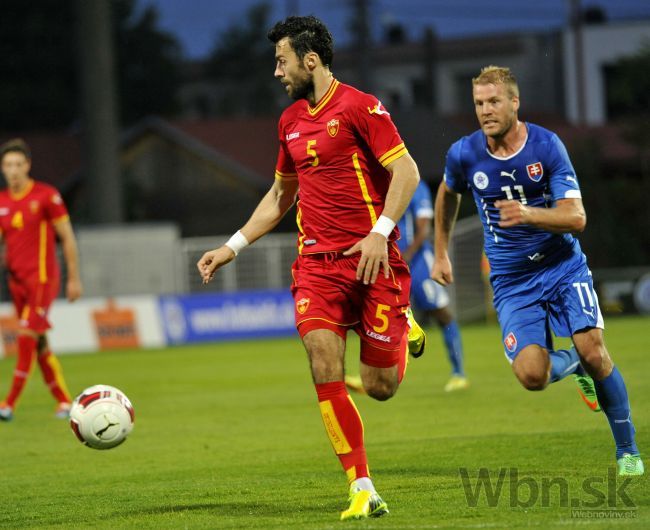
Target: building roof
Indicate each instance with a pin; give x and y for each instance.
(248, 146)
(251, 142)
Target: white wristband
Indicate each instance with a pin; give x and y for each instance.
(384, 226)
(237, 242)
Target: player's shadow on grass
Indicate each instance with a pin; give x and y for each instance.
(238, 509)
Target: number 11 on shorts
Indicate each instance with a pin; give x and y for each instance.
(580, 286)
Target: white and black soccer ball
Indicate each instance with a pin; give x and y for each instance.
(102, 417)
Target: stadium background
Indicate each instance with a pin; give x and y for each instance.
(161, 152)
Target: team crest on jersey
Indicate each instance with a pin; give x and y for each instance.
(511, 342)
(535, 171)
(33, 206)
(302, 305)
(333, 127)
(481, 180)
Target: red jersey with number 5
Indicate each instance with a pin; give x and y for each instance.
(26, 222)
(338, 151)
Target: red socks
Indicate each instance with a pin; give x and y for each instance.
(344, 428)
(26, 350)
(53, 376)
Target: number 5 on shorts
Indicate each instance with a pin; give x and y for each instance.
(381, 315)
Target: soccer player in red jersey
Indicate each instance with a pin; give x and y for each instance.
(32, 214)
(342, 156)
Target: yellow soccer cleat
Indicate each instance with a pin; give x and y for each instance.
(416, 336)
(363, 504)
(456, 382)
(355, 384)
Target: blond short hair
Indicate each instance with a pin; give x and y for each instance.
(494, 75)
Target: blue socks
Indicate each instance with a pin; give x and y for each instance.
(563, 363)
(451, 334)
(612, 396)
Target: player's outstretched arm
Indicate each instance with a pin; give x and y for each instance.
(271, 209)
(568, 215)
(373, 247)
(73, 287)
(446, 211)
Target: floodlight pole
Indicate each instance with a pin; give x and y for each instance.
(102, 183)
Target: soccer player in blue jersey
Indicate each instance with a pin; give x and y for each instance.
(529, 201)
(426, 294)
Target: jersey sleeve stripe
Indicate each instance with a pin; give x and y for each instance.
(572, 194)
(42, 253)
(364, 189)
(392, 155)
(424, 212)
(285, 176)
(64, 217)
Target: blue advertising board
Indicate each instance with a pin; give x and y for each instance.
(226, 316)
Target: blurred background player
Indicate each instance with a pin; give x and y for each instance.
(529, 201)
(426, 294)
(32, 214)
(340, 150)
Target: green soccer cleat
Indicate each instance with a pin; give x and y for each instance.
(363, 504)
(587, 391)
(630, 466)
(416, 336)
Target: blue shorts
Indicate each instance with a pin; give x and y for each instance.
(426, 294)
(559, 297)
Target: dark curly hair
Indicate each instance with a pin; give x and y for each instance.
(15, 145)
(306, 34)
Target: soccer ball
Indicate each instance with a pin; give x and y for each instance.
(101, 417)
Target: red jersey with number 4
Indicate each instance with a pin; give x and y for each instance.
(338, 151)
(26, 222)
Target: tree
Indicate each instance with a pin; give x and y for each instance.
(38, 79)
(241, 64)
(628, 84)
(628, 99)
(148, 62)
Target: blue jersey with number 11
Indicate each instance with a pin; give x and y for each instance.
(539, 174)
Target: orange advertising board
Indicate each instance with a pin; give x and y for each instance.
(115, 327)
(9, 333)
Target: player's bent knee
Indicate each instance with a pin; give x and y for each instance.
(380, 383)
(533, 383)
(533, 380)
(532, 367)
(381, 391)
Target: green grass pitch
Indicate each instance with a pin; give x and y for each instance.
(229, 436)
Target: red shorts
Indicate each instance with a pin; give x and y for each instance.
(328, 295)
(32, 300)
